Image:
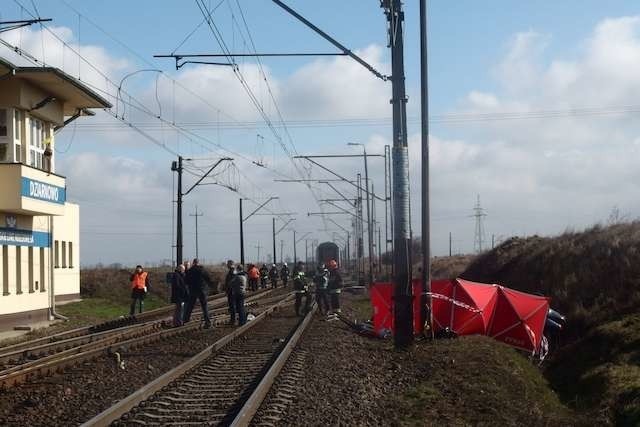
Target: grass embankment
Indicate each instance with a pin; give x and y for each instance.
(594, 278)
(471, 381)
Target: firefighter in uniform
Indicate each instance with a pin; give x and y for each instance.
(321, 282)
(273, 276)
(301, 288)
(264, 275)
(335, 288)
(139, 288)
(284, 274)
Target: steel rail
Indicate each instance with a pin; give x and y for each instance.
(21, 373)
(125, 405)
(251, 406)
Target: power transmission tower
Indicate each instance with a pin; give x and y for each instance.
(196, 214)
(478, 214)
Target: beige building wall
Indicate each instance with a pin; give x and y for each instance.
(66, 231)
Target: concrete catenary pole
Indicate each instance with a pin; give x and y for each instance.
(403, 294)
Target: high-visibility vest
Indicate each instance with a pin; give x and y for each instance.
(139, 281)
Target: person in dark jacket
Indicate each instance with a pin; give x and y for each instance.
(179, 294)
(239, 290)
(335, 288)
(227, 288)
(321, 282)
(284, 274)
(198, 282)
(139, 288)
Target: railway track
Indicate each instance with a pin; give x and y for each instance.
(225, 384)
(52, 356)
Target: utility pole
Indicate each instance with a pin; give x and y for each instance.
(449, 243)
(425, 300)
(281, 251)
(403, 293)
(274, 239)
(241, 235)
(177, 167)
(258, 247)
(196, 214)
(369, 223)
(295, 254)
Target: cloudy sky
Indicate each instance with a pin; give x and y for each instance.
(533, 108)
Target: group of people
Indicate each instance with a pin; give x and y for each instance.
(263, 275)
(327, 282)
(190, 283)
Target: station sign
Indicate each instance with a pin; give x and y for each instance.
(42, 191)
(18, 237)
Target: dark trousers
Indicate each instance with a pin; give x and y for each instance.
(307, 302)
(323, 300)
(198, 294)
(132, 310)
(274, 282)
(335, 302)
(238, 304)
(253, 284)
(285, 280)
(232, 307)
(178, 314)
(263, 282)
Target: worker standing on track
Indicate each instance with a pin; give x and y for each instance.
(239, 290)
(273, 276)
(198, 282)
(179, 295)
(139, 287)
(335, 288)
(284, 274)
(321, 282)
(254, 277)
(227, 288)
(301, 288)
(264, 275)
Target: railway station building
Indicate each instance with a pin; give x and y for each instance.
(39, 229)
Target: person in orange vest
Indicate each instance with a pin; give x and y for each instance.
(139, 288)
(254, 277)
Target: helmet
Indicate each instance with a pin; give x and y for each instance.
(333, 264)
(284, 264)
(273, 265)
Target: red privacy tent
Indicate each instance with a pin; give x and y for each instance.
(467, 308)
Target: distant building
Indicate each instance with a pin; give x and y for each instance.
(39, 229)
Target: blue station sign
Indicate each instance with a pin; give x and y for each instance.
(18, 237)
(43, 191)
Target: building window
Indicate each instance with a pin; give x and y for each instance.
(42, 270)
(64, 254)
(70, 254)
(31, 267)
(5, 270)
(36, 143)
(18, 270)
(56, 254)
(4, 141)
(3, 122)
(17, 135)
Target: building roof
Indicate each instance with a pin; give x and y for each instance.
(69, 90)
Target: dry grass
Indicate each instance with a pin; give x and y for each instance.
(594, 278)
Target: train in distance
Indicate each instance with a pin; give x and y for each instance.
(327, 251)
